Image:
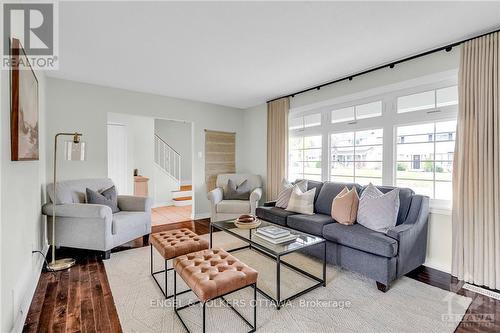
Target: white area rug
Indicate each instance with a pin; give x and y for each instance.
(349, 302)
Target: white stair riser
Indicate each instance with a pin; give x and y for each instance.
(178, 194)
(183, 203)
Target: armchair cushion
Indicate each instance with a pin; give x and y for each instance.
(107, 197)
(233, 191)
(134, 204)
(233, 207)
(78, 210)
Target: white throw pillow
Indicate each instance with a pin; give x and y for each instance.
(378, 211)
(286, 192)
(301, 202)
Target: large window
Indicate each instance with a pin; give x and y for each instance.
(401, 137)
(305, 157)
(425, 158)
(357, 157)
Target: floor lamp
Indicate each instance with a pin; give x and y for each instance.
(74, 151)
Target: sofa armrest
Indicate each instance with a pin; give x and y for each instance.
(215, 196)
(78, 210)
(270, 204)
(412, 236)
(134, 203)
(400, 232)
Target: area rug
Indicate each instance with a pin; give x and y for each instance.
(349, 302)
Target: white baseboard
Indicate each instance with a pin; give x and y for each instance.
(200, 216)
(30, 292)
(439, 266)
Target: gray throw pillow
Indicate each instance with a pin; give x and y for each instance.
(107, 197)
(376, 210)
(237, 192)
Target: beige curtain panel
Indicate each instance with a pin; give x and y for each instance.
(220, 156)
(277, 145)
(476, 174)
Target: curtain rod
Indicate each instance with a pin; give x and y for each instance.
(391, 64)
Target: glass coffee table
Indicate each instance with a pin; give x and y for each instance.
(275, 252)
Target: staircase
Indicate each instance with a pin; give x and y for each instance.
(169, 161)
(183, 196)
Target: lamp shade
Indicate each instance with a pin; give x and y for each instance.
(74, 151)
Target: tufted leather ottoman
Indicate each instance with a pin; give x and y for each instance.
(171, 244)
(212, 274)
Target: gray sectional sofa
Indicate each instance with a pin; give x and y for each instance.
(379, 256)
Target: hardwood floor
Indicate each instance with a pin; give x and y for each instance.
(170, 214)
(80, 299)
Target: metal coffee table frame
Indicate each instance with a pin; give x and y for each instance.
(321, 282)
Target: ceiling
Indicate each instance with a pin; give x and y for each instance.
(241, 54)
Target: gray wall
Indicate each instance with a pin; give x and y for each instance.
(73, 106)
(178, 135)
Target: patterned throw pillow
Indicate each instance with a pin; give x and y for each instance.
(378, 211)
(106, 197)
(286, 192)
(301, 202)
(345, 206)
(237, 192)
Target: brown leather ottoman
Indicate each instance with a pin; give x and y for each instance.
(171, 244)
(212, 274)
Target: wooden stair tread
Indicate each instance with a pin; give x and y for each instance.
(182, 198)
(184, 188)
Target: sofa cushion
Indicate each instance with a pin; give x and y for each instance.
(286, 192)
(405, 195)
(130, 223)
(274, 214)
(312, 224)
(233, 207)
(345, 206)
(301, 202)
(329, 191)
(361, 238)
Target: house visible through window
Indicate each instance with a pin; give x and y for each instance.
(304, 159)
(424, 164)
(357, 157)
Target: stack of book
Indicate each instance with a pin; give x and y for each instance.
(275, 235)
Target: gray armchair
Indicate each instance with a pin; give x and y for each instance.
(95, 227)
(221, 209)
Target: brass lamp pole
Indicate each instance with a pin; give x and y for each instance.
(74, 151)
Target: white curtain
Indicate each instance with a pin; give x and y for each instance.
(476, 174)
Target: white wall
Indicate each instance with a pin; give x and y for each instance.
(22, 225)
(177, 134)
(73, 106)
(140, 146)
(439, 239)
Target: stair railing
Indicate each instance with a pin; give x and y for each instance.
(168, 159)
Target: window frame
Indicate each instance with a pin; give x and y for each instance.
(388, 121)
